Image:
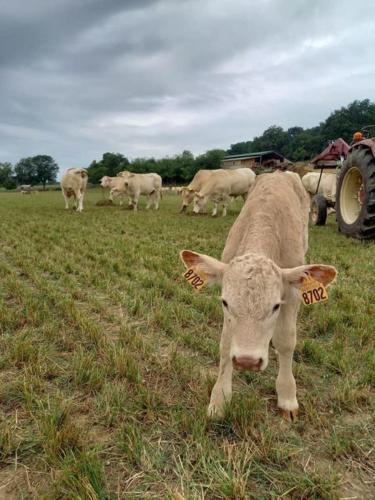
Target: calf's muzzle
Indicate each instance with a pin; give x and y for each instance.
(247, 363)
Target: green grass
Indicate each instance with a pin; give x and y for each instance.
(108, 357)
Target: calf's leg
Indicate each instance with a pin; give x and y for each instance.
(66, 198)
(284, 340)
(222, 390)
(80, 201)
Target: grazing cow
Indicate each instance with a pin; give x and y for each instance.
(73, 183)
(116, 186)
(221, 185)
(327, 185)
(188, 192)
(149, 185)
(262, 267)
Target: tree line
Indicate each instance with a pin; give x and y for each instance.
(295, 143)
(299, 144)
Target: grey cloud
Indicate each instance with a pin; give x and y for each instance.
(155, 77)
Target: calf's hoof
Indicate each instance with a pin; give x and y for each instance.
(215, 412)
(289, 415)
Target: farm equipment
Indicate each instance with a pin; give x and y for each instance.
(355, 189)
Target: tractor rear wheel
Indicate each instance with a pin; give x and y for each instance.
(355, 197)
(318, 214)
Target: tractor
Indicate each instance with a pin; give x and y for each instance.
(355, 190)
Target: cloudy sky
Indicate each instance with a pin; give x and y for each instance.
(151, 78)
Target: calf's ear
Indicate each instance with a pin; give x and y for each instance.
(212, 268)
(320, 272)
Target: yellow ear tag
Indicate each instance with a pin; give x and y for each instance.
(312, 291)
(196, 279)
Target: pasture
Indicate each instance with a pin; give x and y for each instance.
(108, 358)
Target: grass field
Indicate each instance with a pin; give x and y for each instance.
(108, 358)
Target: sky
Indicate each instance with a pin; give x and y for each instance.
(153, 78)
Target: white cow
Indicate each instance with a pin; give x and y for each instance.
(149, 185)
(327, 185)
(74, 183)
(221, 186)
(261, 268)
(198, 181)
(116, 186)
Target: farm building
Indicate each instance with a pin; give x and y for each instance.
(331, 155)
(270, 159)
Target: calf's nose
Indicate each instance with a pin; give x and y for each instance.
(247, 363)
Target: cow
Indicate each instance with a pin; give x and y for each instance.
(260, 271)
(221, 186)
(327, 185)
(74, 183)
(116, 186)
(188, 192)
(149, 185)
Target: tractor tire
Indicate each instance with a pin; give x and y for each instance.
(318, 214)
(355, 197)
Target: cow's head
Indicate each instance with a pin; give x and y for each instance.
(187, 197)
(254, 290)
(200, 202)
(105, 181)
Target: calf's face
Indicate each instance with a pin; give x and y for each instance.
(252, 294)
(187, 197)
(199, 203)
(104, 181)
(254, 290)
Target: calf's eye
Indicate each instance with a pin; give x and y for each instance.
(225, 303)
(276, 307)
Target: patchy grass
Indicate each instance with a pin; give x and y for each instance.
(107, 360)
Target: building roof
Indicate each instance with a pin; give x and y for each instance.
(258, 154)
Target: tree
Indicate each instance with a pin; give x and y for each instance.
(210, 160)
(240, 148)
(347, 120)
(110, 164)
(46, 169)
(38, 169)
(7, 179)
(25, 171)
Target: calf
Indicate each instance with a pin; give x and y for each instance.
(198, 181)
(221, 186)
(74, 183)
(262, 267)
(327, 184)
(146, 184)
(116, 186)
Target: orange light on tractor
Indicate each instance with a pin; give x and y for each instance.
(357, 136)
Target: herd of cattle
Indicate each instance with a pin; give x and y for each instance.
(261, 268)
(217, 186)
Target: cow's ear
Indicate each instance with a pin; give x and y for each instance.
(320, 272)
(212, 268)
(131, 175)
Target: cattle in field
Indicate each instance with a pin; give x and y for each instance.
(221, 186)
(116, 185)
(260, 271)
(327, 185)
(188, 192)
(73, 184)
(149, 185)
